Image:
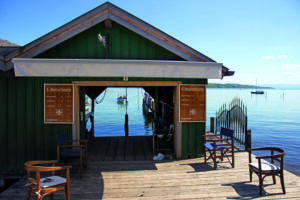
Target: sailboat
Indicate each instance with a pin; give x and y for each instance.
(257, 91)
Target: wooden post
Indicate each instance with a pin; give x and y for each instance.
(248, 139)
(212, 124)
(93, 121)
(156, 103)
(156, 100)
(2, 181)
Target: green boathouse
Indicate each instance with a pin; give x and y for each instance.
(105, 47)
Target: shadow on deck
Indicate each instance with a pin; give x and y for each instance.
(176, 179)
(133, 148)
(113, 174)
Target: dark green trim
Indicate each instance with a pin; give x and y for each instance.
(82, 110)
(3, 124)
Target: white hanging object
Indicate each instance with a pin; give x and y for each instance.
(102, 40)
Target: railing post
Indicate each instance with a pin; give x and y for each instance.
(227, 119)
(248, 139)
(216, 124)
(212, 125)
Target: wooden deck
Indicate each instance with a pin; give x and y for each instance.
(175, 179)
(133, 148)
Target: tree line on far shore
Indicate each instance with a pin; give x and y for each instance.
(234, 85)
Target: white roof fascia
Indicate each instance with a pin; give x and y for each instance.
(116, 68)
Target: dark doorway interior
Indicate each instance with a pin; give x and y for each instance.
(137, 148)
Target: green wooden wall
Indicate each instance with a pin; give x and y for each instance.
(125, 44)
(192, 139)
(24, 136)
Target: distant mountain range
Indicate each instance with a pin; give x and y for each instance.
(234, 85)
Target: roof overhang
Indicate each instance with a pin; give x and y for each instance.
(116, 68)
(2, 63)
(108, 11)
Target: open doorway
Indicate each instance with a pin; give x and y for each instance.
(112, 144)
(110, 113)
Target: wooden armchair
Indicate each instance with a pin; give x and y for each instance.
(219, 146)
(48, 185)
(68, 149)
(264, 168)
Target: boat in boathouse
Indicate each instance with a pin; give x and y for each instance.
(148, 104)
(122, 100)
(43, 84)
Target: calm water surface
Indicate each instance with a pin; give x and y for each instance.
(272, 117)
(110, 116)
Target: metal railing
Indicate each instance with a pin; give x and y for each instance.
(233, 116)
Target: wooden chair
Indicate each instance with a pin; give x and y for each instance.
(68, 149)
(48, 185)
(219, 146)
(264, 168)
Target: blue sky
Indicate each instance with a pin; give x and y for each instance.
(258, 39)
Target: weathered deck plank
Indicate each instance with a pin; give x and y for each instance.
(139, 155)
(148, 148)
(133, 148)
(130, 155)
(101, 145)
(121, 149)
(177, 179)
(113, 145)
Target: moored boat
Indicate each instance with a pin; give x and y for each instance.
(122, 100)
(148, 103)
(257, 92)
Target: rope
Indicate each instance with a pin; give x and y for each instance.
(126, 118)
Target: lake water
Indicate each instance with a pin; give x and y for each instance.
(110, 116)
(272, 117)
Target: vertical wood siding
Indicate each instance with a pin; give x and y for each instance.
(3, 124)
(24, 136)
(192, 139)
(124, 44)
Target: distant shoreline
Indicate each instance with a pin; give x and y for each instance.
(234, 85)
